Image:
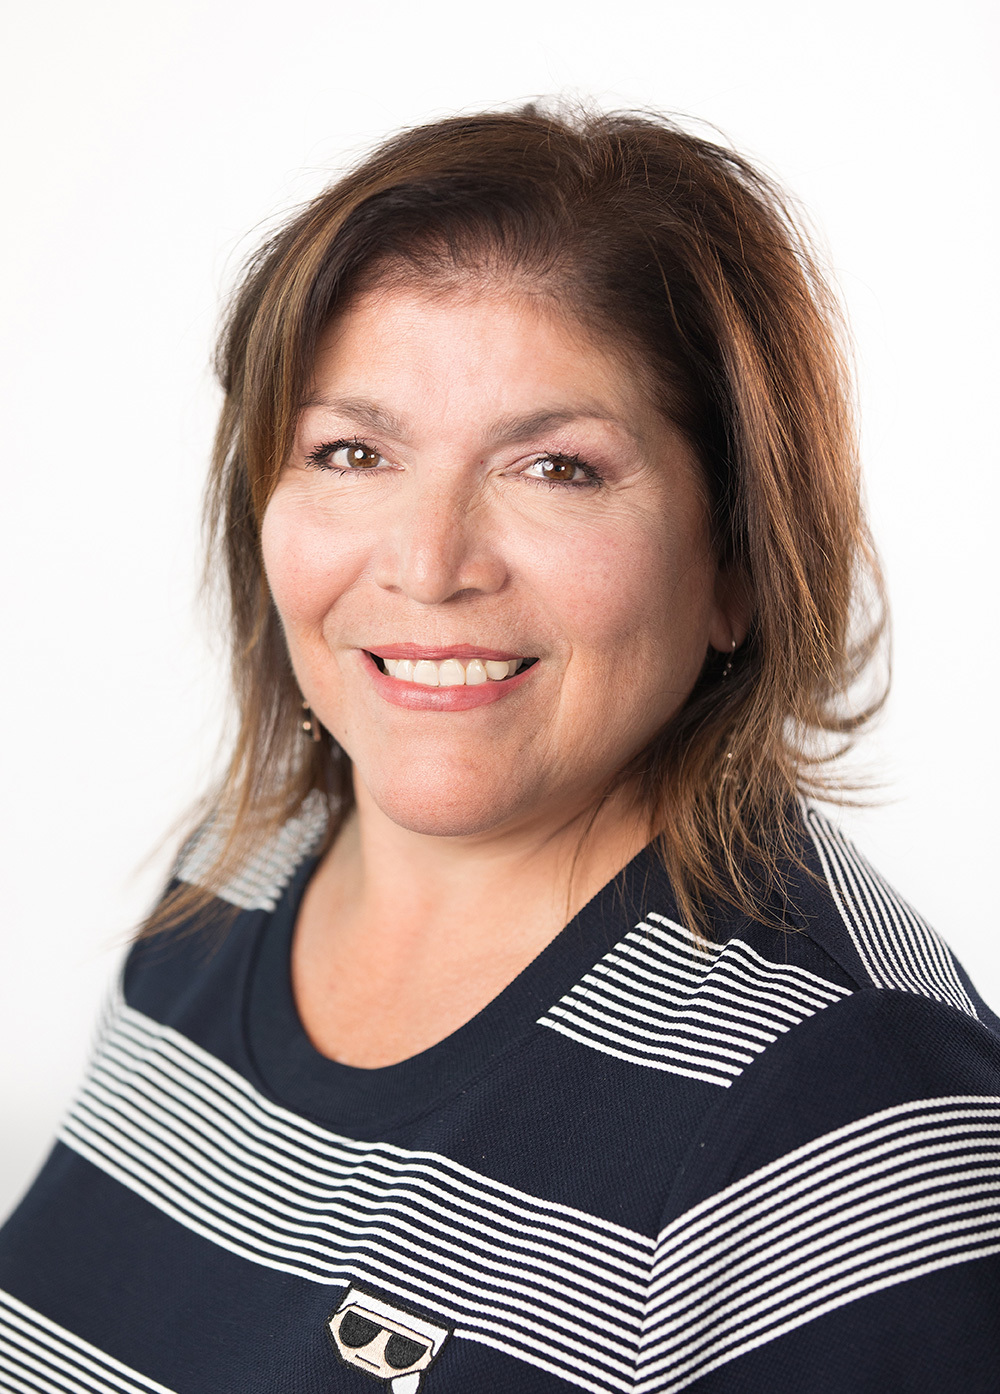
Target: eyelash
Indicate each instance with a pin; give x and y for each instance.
(319, 459)
(591, 477)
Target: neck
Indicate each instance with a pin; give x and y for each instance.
(527, 879)
(403, 937)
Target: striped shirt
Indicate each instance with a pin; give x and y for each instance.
(766, 1163)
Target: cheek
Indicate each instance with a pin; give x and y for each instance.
(637, 587)
(306, 567)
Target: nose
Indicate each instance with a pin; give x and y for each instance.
(443, 541)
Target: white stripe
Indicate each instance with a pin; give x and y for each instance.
(239, 1104)
(406, 1279)
(803, 978)
(639, 1034)
(694, 1269)
(38, 1384)
(259, 883)
(790, 1169)
(903, 1192)
(769, 1271)
(700, 1028)
(877, 923)
(665, 1003)
(669, 1066)
(35, 1348)
(897, 948)
(648, 1008)
(181, 1172)
(194, 1139)
(805, 1301)
(661, 1000)
(739, 1000)
(124, 1108)
(724, 1352)
(398, 1269)
(692, 1035)
(731, 1256)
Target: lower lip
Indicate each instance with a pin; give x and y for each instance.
(416, 697)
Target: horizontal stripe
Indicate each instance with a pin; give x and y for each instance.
(558, 1287)
(259, 883)
(38, 1356)
(897, 948)
(903, 1192)
(663, 1000)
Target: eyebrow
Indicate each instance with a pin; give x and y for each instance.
(511, 429)
(360, 409)
(506, 430)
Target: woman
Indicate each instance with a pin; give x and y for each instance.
(509, 1022)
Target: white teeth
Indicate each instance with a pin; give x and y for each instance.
(475, 673)
(426, 673)
(451, 672)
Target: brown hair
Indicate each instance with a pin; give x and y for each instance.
(687, 254)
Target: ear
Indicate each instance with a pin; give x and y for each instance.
(733, 609)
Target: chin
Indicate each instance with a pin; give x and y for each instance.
(451, 812)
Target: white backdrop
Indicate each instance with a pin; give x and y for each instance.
(148, 144)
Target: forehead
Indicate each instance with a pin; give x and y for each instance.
(504, 347)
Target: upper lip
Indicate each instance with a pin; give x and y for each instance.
(438, 652)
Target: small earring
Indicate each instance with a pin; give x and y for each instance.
(729, 663)
(310, 725)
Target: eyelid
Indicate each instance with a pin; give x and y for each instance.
(324, 452)
(591, 476)
(321, 458)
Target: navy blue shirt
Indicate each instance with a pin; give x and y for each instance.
(766, 1163)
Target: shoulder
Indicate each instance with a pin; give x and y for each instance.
(876, 1057)
(852, 913)
(835, 1222)
(260, 880)
(872, 1009)
(193, 976)
(713, 1011)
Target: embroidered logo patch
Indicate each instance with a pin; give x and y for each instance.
(384, 1341)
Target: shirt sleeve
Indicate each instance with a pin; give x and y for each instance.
(836, 1224)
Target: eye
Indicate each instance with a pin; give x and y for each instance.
(345, 455)
(400, 1351)
(356, 1330)
(562, 469)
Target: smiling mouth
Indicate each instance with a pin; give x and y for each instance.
(451, 672)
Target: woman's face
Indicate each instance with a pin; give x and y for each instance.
(475, 483)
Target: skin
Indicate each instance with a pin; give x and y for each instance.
(443, 530)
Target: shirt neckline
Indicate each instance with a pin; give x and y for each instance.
(370, 1101)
